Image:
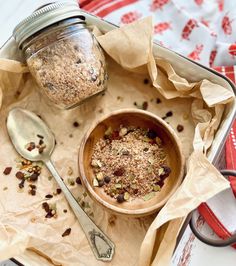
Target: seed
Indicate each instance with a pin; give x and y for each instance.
(30, 146)
(100, 176)
(151, 134)
(180, 128)
(119, 172)
(65, 211)
(78, 181)
(145, 105)
(67, 232)
(146, 81)
(126, 196)
(48, 196)
(107, 179)
(123, 131)
(7, 170)
(33, 177)
(158, 141)
(70, 171)
(20, 175)
(32, 186)
(76, 124)
(41, 142)
(40, 136)
(158, 100)
(120, 198)
(58, 191)
(168, 114)
(40, 150)
(100, 183)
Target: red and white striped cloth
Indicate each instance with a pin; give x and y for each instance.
(202, 30)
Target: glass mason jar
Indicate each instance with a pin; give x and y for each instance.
(62, 54)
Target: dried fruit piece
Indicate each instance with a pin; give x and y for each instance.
(119, 172)
(67, 232)
(21, 184)
(120, 198)
(33, 177)
(7, 170)
(107, 179)
(156, 188)
(145, 105)
(78, 180)
(100, 183)
(151, 134)
(45, 206)
(20, 175)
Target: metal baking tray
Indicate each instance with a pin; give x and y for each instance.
(188, 69)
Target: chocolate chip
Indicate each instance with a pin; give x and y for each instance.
(151, 134)
(119, 172)
(158, 100)
(41, 142)
(58, 191)
(146, 81)
(145, 105)
(120, 198)
(107, 179)
(7, 170)
(78, 181)
(48, 196)
(20, 175)
(67, 232)
(180, 128)
(75, 124)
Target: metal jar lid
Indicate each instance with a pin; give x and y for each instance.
(44, 17)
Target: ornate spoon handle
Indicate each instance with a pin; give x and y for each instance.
(101, 245)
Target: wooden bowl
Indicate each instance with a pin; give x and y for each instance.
(171, 144)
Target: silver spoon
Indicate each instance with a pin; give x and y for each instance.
(23, 127)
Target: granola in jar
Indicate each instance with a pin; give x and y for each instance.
(62, 54)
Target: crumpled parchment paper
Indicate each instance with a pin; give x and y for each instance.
(26, 234)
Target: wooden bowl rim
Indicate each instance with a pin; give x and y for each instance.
(94, 195)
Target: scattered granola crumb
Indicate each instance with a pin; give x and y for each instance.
(50, 178)
(145, 105)
(180, 128)
(76, 124)
(7, 170)
(67, 232)
(71, 136)
(5, 188)
(111, 220)
(70, 171)
(158, 100)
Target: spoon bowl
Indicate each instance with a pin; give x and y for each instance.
(24, 127)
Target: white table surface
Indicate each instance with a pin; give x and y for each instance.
(13, 11)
